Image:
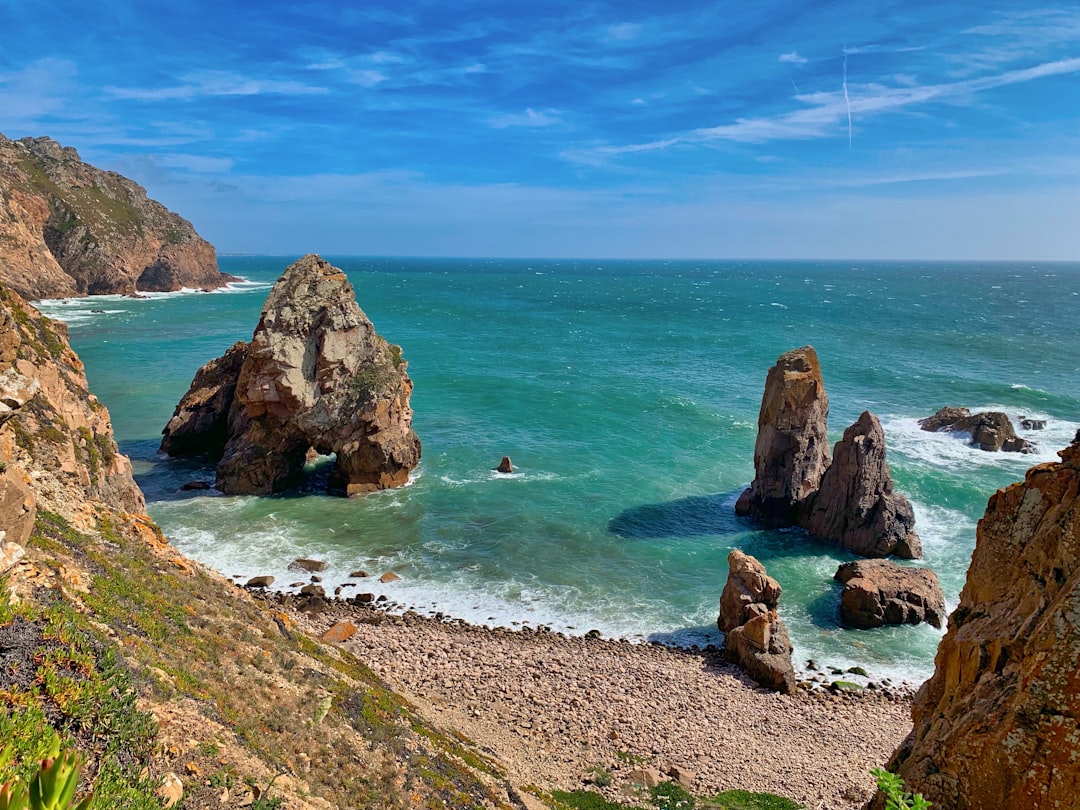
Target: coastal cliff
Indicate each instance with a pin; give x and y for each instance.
(316, 377)
(996, 724)
(70, 229)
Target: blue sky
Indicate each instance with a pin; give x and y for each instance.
(631, 129)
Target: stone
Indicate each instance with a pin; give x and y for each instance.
(359, 574)
(310, 566)
(195, 485)
(264, 581)
(312, 604)
(313, 590)
(505, 466)
(855, 505)
(363, 598)
(645, 777)
(1032, 424)
(681, 775)
(792, 448)
(389, 576)
(315, 376)
(880, 592)
(991, 431)
(995, 726)
(755, 637)
(171, 790)
(10, 554)
(340, 632)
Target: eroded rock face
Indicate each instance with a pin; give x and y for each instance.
(855, 505)
(991, 431)
(792, 449)
(68, 228)
(879, 592)
(996, 724)
(315, 376)
(755, 637)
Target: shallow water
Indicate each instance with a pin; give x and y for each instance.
(627, 395)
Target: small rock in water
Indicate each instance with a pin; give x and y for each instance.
(505, 466)
(259, 582)
(194, 485)
(389, 576)
(358, 574)
(310, 566)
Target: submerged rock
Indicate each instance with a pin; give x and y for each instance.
(996, 724)
(315, 376)
(991, 431)
(856, 506)
(755, 637)
(879, 592)
(792, 448)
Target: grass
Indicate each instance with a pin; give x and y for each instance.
(671, 796)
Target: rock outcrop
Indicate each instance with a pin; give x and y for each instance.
(792, 448)
(755, 637)
(69, 229)
(991, 430)
(996, 724)
(315, 377)
(855, 505)
(879, 592)
(845, 498)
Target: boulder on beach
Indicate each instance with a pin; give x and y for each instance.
(755, 637)
(991, 430)
(995, 726)
(880, 592)
(315, 377)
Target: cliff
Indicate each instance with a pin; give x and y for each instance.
(316, 377)
(996, 724)
(70, 229)
(175, 685)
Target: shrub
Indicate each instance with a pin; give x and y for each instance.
(896, 798)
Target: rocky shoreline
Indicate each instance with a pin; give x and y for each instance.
(563, 712)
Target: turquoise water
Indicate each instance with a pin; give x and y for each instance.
(627, 395)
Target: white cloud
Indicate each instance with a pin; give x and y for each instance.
(529, 118)
(623, 32)
(793, 57)
(201, 164)
(367, 78)
(215, 83)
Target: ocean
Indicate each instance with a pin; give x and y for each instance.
(627, 394)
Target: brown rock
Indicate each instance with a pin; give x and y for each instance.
(856, 506)
(879, 592)
(264, 581)
(313, 590)
(995, 726)
(755, 637)
(792, 448)
(10, 554)
(195, 486)
(389, 576)
(505, 466)
(340, 632)
(991, 431)
(200, 423)
(68, 228)
(358, 574)
(646, 777)
(304, 564)
(315, 376)
(171, 790)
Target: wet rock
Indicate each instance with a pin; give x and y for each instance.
(313, 590)
(310, 566)
(359, 574)
(264, 581)
(879, 592)
(505, 466)
(1032, 424)
(389, 576)
(195, 486)
(991, 431)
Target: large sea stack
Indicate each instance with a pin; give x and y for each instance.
(996, 724)
(69, 229)
(846, 498)
(315, 377)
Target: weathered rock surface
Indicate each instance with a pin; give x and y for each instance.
(68, 228)
(996, 724)
(55, 437)
(755, 637)
(855, 505)
(792, 448)
(315, 376)
(847, 499)
(991, 431)
(879, 592)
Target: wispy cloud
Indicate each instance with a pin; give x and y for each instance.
(215, 83)
(529, 118)
(792, 57)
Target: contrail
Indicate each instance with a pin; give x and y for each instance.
(847, 101)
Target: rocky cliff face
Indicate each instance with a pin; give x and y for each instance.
(56, 442)
(846, 498)
(792, 449)
(996, 725)
(315, 377)
(67, 228)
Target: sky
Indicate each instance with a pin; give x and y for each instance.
(844, 129)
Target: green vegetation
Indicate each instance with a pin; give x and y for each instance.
(51, 788)
(896, 798)
(672, 796)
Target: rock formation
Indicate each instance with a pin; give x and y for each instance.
(792, 448)
(847, 498)
(879, 592)
(756, 638)
(315, 376)
(68, 228)
(855, 505)
(991, 431)
(996, 724)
